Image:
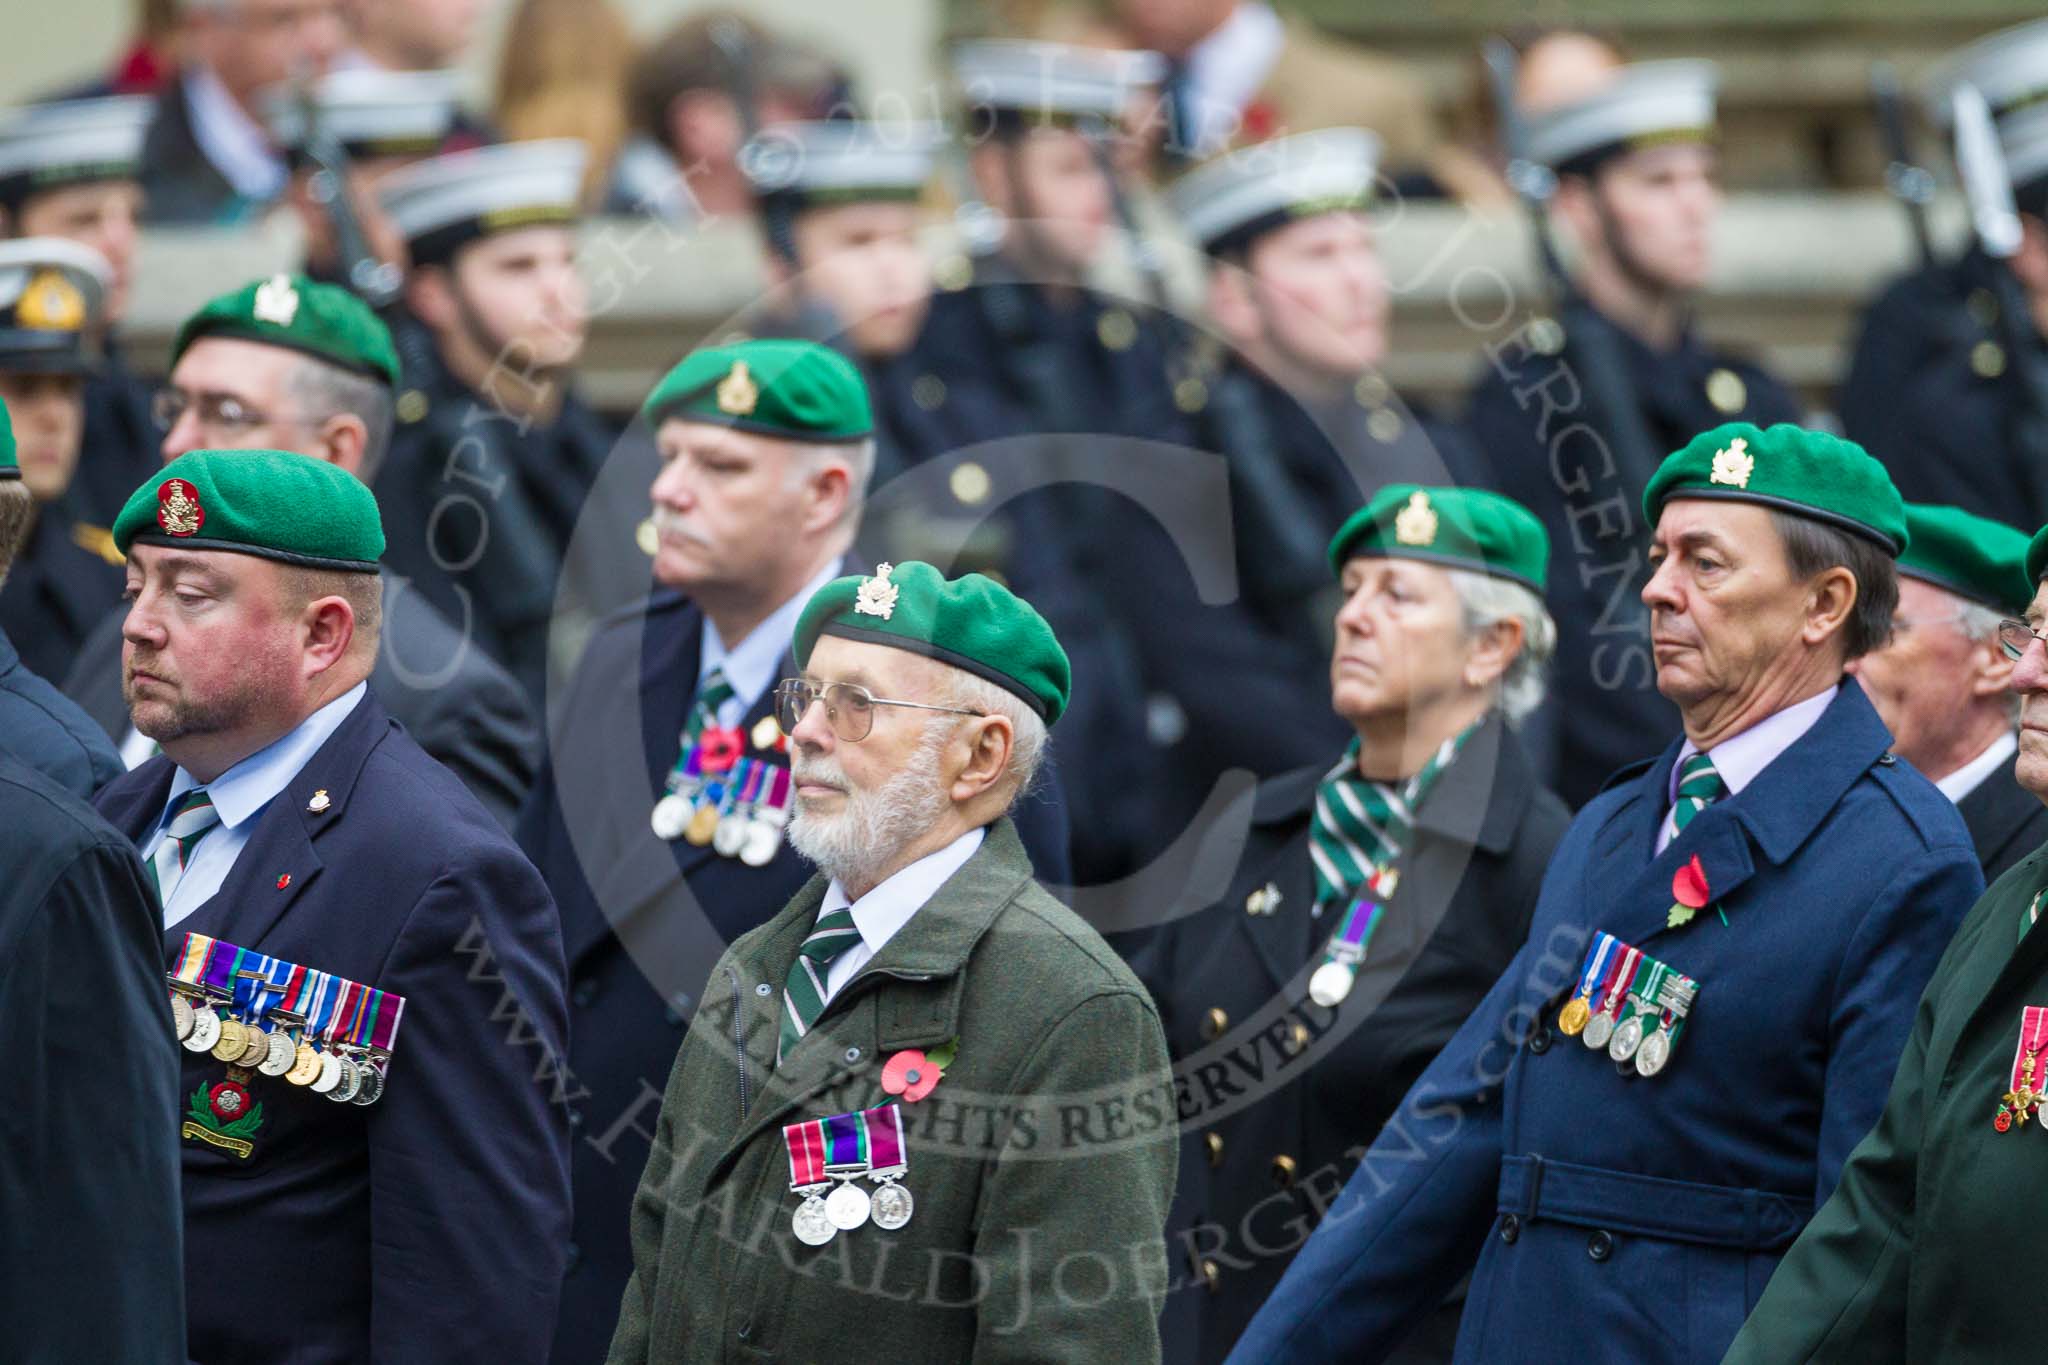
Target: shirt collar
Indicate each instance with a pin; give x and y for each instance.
(886, 909)
(1971, 775)
(750, 665)
(1739, 758)
(235, 144)
(247, 787)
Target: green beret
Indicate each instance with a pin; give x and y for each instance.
(1810, 473)
(273, 503)
(973, 623)
(10, 468)
(1968, 555)
(2037, 561)
(776, 386)
(1460, 528)
(323, 320)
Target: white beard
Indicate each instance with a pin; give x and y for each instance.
(871, 832)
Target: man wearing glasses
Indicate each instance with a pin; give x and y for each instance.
(288, 364)
(666, 791)
(1943, 686)
(1912, 1257)
(925, 1098)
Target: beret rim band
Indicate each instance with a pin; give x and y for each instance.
(1438, 557)
(942, 655)
(676, 407)
(292, 557)
(248, 332)
(9, 472)
(1951, 585)
(1811, 513)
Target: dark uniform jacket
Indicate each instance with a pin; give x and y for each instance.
(643, 920)
(46, 730)
(1041, 1166)
(457, 704)
(56, 592)
(2007, 822)
(1603, 697)
(478, 514)
(430, 1225)
(90, 1247)
(1932, 393)
(122, 445)
(1924, 1251)
(180, 186)
(1319, 1084)
(1614, 1218)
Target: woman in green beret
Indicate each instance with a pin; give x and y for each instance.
(1379, 896)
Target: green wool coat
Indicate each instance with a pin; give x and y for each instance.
(1042, 1165)
(1922, 1254)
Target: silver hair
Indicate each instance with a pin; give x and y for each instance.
(324, 391)
(1487, 600)
(1979, 624)
(860, 461)
(1027, 731)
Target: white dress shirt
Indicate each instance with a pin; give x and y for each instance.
(1971, 775)
(239, 795)
(234, 143)
(1229, 67)
(881, 912)
(750, 665)
(1739, 758)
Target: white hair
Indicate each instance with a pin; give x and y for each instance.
(1027, 731)
(860, 461)
(1487, 600)
(1979, 624)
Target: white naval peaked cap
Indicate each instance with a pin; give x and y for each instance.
(52, 292)
(1235, 196)
(370, 111)
(71, 141)
(2023, 137)
(1645, 102)
(2009, 69)
(444, 201)
(1052, 78)
(842, 158)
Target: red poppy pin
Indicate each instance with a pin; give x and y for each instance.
(1690, 894)
(719, 748)
(914, 1074)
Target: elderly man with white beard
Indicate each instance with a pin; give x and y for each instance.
(924, 1110)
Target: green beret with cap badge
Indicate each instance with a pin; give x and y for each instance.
(773, 386)
(1813, 474)
(275, 504)
(1459, 528)
(324, 321)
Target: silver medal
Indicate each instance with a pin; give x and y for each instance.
(205, 1030)
(847, 1206)
(810, 1223)
(1653, 1054)
(892, 1205)
(330, 1074)
(731, 835)
(1330, 983)
(764, 837)
(372, 1087)
(181, 1016)
(1598, 1030)
(350, 1082)
(671, 817)
(284, 1054)
(1628, 1036)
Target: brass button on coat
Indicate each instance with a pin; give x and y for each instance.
(1213, 1024)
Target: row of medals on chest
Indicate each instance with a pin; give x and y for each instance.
(717, 798)
(344, 1074)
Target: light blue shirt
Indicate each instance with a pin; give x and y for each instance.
(1739, 758)
(751, 664)
(239, 795)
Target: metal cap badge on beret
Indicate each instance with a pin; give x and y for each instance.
(275, 504)
(1973, 557)
(443, 203)
(842, 160)
(972, 622)
(1460, 528)
(776, 386)
(1226, 202)
(324, 321)
(1051, 82)
(1641, 105)
(10, 468)
(52, 293)
(369, 111)
(71, 142)
(1810, 473)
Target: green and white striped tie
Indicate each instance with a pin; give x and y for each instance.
(188, 824)
(803, 993)
(1699, 786)
(1360, 827)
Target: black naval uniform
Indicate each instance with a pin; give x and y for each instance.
(615, 878)
(58, 591)
(1931, 392)
(122, 445)
(90, 1248)
(477, 515)
(1604, 705)
(1253, 1183)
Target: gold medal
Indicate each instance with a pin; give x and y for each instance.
(1571, 1020)
(257, 1049)
(306, 1070)
(234, 1040)
(703, 825)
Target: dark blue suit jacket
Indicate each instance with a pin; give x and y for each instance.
(1618, 1219)
(45, 729)
(644, 921)
(429, 1226)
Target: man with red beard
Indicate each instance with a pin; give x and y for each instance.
(957, 1080)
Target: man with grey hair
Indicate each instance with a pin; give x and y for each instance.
(923, 1032)
(289, 364)
(1944, 687)
(766, 449)
(1432, 814)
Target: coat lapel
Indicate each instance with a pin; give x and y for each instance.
(1997, 812)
